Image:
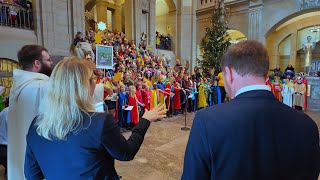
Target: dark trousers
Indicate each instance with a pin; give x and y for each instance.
(3, 155)
(299, 108)
(223, 93)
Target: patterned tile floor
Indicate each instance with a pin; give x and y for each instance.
(161, 155)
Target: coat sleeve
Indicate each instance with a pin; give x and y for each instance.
(32, 169)
(197, 156)
(116, 144)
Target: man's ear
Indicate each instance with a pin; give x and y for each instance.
(37, 65)
(228, 74)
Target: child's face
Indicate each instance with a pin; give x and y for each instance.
(122, 88)
(155, 87)
(133, 91)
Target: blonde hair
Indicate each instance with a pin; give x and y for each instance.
(67, 98)
(132, 89)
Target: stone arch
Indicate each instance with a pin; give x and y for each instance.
(166, 22)
(290, 26)
(171, 4)
(292, 18)
(236, 35)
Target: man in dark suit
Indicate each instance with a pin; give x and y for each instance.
(254, 136)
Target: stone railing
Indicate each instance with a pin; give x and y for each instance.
(313, 99)
(15, 16)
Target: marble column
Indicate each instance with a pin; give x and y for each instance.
(152, 24)
(129, 19)
(117, 19)
(172, 22)
(194, 36)
(59, 22)
(293, 50)
(101, 10)
(255, 23)
(313, 99)
(137, 13)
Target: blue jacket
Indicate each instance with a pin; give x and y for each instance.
(252, 137)
(88, 154)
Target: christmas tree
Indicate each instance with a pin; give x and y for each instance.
(215, 41)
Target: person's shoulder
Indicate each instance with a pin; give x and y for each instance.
(98, 120)
(32, 132)
(300, 118)
(215, 112)
(4, 111)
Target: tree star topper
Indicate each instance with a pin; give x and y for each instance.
(102, 26)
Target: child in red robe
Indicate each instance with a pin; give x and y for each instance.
(276, 88)
(146, 96)
(176, 98)
(168, 99)
(139, 93)
(132, 101)
(304, 81)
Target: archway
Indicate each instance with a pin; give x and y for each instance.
(236, 36)
(285, 39)
(166, 24)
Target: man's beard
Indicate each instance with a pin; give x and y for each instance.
(45, 69)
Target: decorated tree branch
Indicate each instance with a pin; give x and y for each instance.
(215, 41)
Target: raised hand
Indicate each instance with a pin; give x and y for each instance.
(157, 112)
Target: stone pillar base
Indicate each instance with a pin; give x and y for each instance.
(314, 98)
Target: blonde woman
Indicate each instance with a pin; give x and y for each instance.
(69, 140)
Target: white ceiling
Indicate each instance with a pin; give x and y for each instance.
(161, 8)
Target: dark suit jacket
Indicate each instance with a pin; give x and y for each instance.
(88, 154)
(252, 137)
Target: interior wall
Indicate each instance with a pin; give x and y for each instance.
(274, 39)
(162, 24)
(275, 10)
(304, 33)
(13, 39)
(285, 46)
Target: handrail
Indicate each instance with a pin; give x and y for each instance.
(14, 15)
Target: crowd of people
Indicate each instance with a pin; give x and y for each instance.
(163, 41)
(17, 13)
(55, 132)
(142, 80)
(289, 87)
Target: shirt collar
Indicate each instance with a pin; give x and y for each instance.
(252, 88)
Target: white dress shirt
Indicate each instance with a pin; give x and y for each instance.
(252, 88)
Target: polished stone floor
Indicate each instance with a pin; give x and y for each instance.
(161, 154)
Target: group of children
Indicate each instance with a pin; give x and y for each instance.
(179, 93)
(142, 80)
(290, 91)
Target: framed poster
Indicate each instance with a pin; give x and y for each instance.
(104, 57)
